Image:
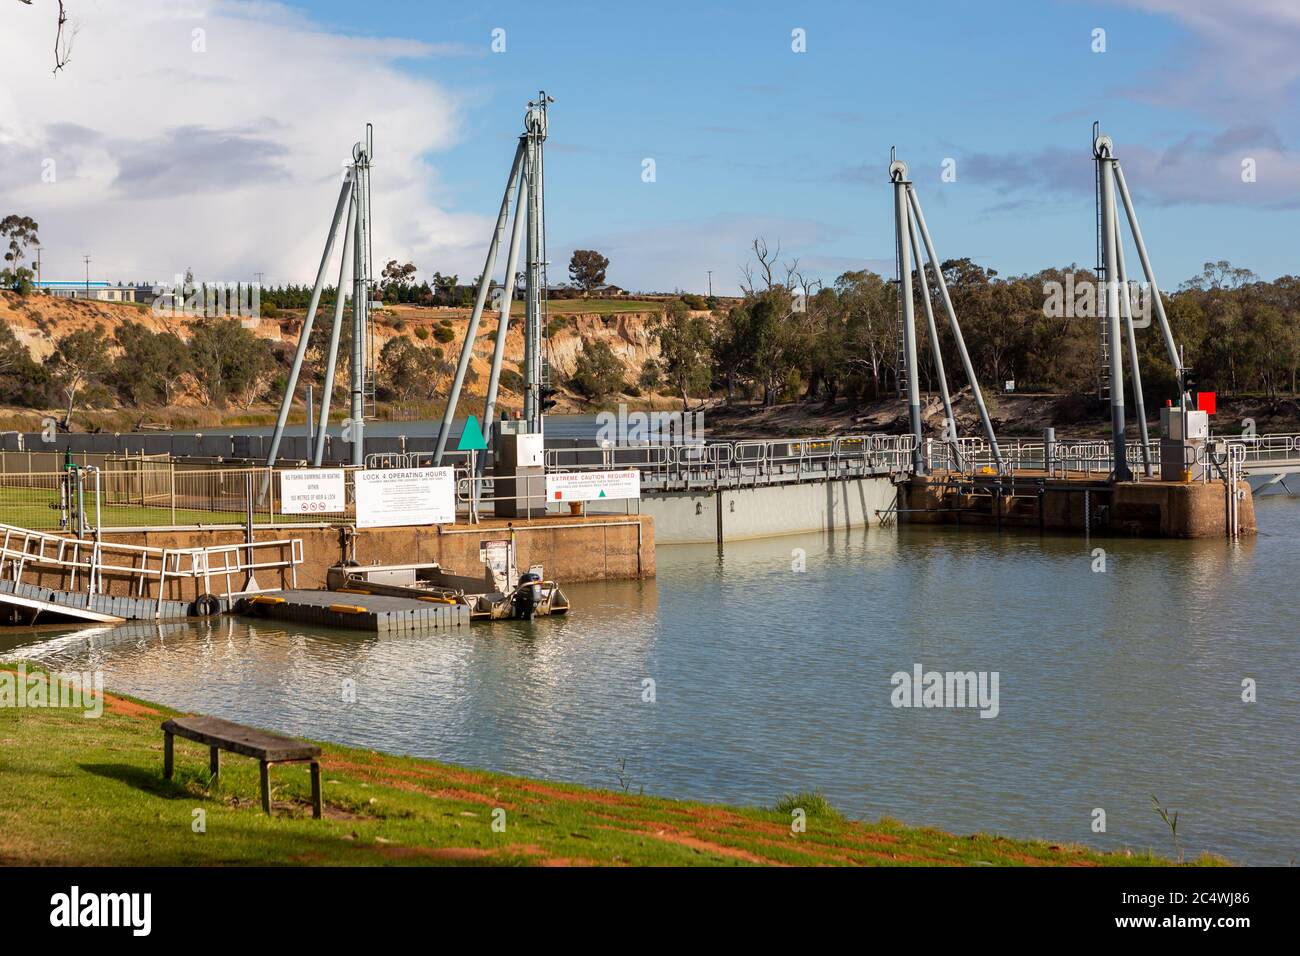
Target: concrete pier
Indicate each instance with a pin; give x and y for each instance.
(1033, 500)
(741, 513)
(570, 548)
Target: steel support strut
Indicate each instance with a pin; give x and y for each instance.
(949, 417)
(955, 326)
(507, 297)
(485, 282)
(349, 236)
(1135, 371)
(291, 386)
(1153, 289)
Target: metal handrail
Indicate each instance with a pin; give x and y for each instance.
(22, 547)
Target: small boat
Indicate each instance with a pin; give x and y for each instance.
(495, 595)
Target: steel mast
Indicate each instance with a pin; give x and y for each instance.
(526, 185)
(535, 128)
(362, 364)
(902, 231)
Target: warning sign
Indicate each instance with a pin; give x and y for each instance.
(405, 496)
(312, 492)
(593, 485)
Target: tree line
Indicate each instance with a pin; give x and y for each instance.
(791, 340)
(135, 365)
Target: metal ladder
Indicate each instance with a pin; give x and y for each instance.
(899, 333)
(365, 255)
(1103, 328)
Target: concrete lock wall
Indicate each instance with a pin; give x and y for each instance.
(572, 549)
(1149, 508)
(763, 511)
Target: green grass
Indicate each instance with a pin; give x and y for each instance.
(38, 510)
(78, 791)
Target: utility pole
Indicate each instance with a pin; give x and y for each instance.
(38, 267)
(87, 258)
(710, 283)
(259, 278)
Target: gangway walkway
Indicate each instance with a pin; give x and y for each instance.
(92, 580)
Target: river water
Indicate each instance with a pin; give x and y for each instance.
(1113, 686)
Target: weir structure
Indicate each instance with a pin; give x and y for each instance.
(526, 184)
(910, 233)
(356, 268)
(1190, 483)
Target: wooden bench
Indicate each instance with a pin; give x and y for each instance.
(262, 745)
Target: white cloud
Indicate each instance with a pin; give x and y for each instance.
(1198, 168)
(1242, 66)
(227, 161)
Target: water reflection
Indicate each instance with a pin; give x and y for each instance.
(1114, 686)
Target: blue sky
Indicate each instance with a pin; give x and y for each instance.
(752, 139)
(745, 131)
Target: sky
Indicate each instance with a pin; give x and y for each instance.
(211, 134)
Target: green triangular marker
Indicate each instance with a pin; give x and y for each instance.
(602, 493)
(471, 436)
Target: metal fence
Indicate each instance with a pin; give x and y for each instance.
(149, 492)
(735, 464)
(142, 498)
(1093, 458)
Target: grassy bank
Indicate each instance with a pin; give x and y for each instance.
(79, 791)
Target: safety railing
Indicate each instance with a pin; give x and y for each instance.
(701, 465)
(81, 564)
(1093, 458)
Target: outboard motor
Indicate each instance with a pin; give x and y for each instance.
(527, 596)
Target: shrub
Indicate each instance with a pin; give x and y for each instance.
(811, 803)
(598, 372)
(512, 380)
(651, 375)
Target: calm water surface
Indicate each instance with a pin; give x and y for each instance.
(1113, 686)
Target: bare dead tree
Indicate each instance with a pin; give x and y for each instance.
(63, 37)
(766, 263)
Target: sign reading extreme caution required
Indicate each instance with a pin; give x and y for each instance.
(593, 485)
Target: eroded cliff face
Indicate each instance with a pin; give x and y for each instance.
(39, 320)
(626, 333)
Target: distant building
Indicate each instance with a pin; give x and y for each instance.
(96, 291)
